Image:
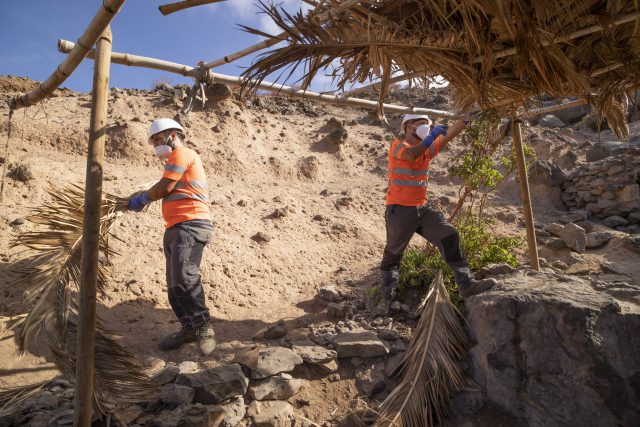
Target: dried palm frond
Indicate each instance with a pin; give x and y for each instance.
(11, 399)
(50, 277)
(55, 266)
(118, 378)
(491, 51)
(9, 322)
(430, 369)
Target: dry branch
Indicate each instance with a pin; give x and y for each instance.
(65, 46)
(50, 276)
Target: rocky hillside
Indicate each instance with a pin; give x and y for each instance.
(297, 191)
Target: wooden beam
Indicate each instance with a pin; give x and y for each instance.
(102, 18)
(525, 196)
(83, 401)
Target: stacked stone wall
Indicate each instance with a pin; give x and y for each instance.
(607, 187)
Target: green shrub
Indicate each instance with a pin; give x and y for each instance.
(481, 247)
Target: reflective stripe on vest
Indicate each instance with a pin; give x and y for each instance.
(412, 172)
(395, 150)
(194, 183)
(183, 196)
(408, 183)
(174, 168)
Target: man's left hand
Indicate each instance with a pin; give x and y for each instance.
(139, 201)
(438, 130)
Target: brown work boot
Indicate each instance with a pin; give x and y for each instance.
(382, 309)
(476, 287)
(206, 339)
(185, 335)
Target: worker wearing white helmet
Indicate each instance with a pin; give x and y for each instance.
(408, 212)
(185, 207)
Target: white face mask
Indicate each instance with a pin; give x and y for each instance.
(422, 131)
(162, 151)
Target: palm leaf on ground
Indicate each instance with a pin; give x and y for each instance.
(51, 275)
(431, 369)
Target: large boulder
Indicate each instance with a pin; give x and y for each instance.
(550, 121)
(546, 173)
(569, 115)
(556, 350)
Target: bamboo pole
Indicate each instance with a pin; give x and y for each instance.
(66, 46)
(100, 21)
(524, 194)
(170, 8)
(83, 401)
(320, 18)
(185, 70)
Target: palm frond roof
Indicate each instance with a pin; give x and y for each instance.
(494, 53)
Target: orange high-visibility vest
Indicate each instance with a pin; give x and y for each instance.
(190, 197)
(408, 179)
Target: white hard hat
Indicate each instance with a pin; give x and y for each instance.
(410, 117)
(160, 125)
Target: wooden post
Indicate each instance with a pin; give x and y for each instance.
(83, 403)
(524, 193)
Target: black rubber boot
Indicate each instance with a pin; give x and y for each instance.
(185, 335)
(476, 287)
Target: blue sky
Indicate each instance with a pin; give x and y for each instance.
(29, 30)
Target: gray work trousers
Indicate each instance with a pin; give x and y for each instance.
(402, 222)
(183, 246)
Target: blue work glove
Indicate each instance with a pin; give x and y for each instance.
(435, 132)
(139, 201)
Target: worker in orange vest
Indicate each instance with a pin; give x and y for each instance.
(408, 212)
(185, 207)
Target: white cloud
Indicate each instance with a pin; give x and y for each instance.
(268, 26)
(242, 8)
(322, 83)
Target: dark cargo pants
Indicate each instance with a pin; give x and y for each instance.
(183, 246)
(402, 222)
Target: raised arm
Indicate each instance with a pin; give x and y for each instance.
(437, 143)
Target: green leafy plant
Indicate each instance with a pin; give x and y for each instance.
(486, 162)
(480, 245)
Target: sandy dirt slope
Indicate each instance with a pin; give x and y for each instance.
(257, 162)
